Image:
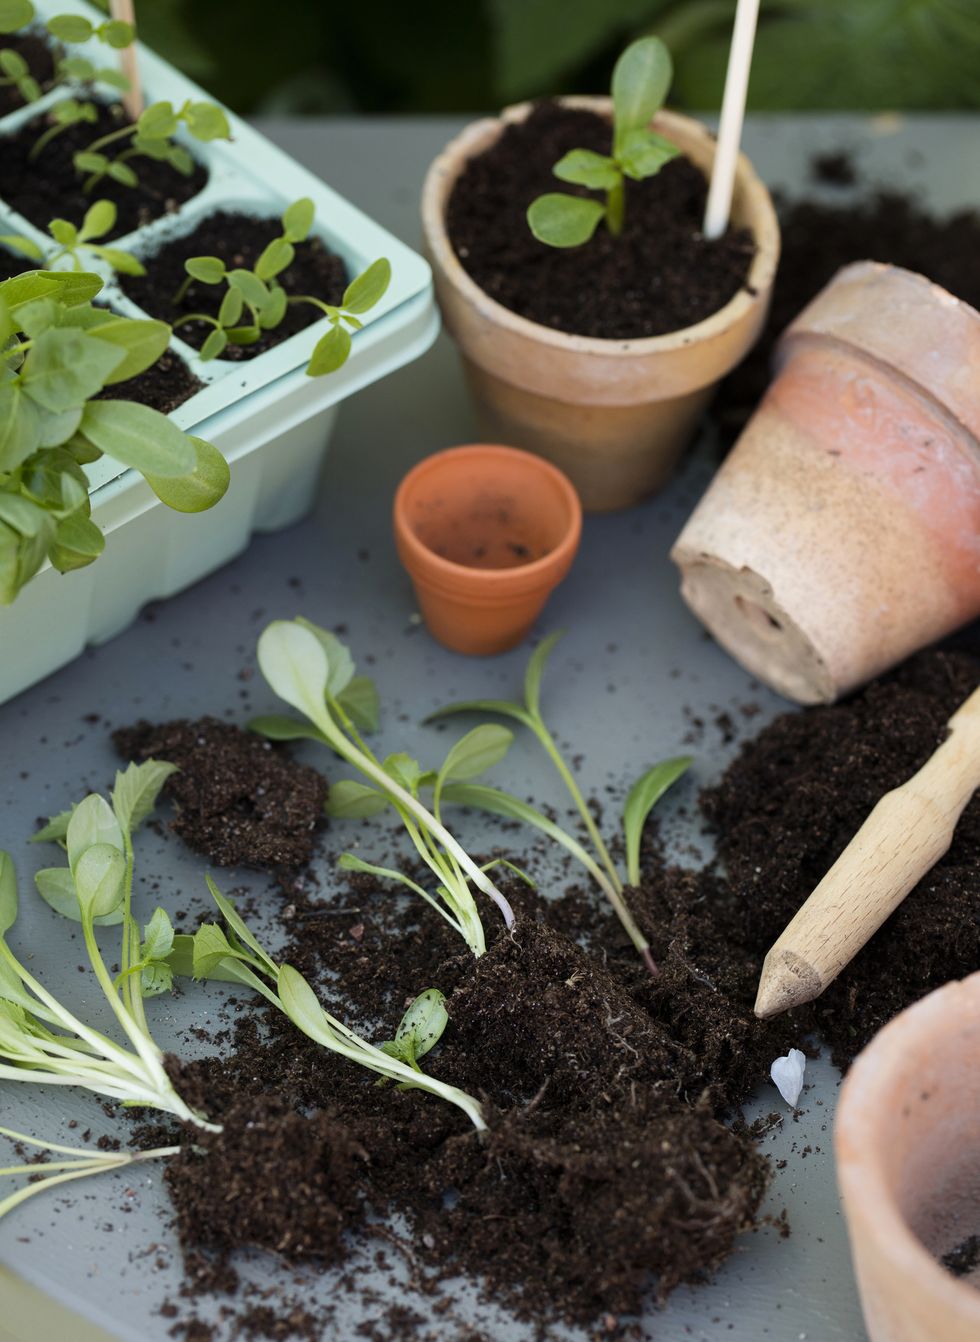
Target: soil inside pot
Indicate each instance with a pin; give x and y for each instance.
(163, 386)
(659, 275)
(239, 240)
(49, 187)
(36, 51)
(818, 239)
(240, 799)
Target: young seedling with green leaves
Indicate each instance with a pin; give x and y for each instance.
(70, 28)
(150, 136)
(99, 221)
(313, 672)
(41, 1041)
(640, 82)
(254, 301)
(57, 352)
(235, 955)
(642, 797)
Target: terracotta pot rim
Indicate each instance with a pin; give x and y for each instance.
(857, 1144)
(764, 226)
(486, 585)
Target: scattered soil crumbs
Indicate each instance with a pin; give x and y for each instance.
(239, 240)
(36, 51)
(817, 239)
(659, 275)
(616, 1160)
(163, 386)
(240, 799)
(49, 187)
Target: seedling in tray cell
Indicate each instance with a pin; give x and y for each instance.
(254, 301)
(639, 86)
(99, 221)
(69, 28)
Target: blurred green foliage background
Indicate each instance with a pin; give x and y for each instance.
(312, 56)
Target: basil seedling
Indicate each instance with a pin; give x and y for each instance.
(640, 82)
(100, 220)
(254, 301)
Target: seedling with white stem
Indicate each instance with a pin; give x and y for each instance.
(312, 671)
(99, 222)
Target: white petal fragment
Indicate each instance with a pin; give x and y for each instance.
(787, 1073)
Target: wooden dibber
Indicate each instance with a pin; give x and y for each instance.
(124, 11)
(903, 837)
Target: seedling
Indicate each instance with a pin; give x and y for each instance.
(642, 797)
(71, 28)
(258, 294)
(312, 671)
(640, 82)
(57, 352)
(100, 220)
(234, 954)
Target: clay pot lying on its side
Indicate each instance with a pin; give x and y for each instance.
(843, 531)
(486, 533)
(615, 415)
(907, 1140)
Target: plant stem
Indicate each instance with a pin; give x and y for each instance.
(616, 207)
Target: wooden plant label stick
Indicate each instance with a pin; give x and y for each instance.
(722, 183)
(133, 100)
(903, 837)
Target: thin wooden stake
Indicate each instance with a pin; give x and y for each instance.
(902, 839)
(123, 11)
(722, 185)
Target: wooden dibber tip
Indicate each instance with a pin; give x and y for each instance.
(787, 981)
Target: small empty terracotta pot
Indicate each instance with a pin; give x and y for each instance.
(615, 415)
(907, 1140)
(486, 533)
(843, 531)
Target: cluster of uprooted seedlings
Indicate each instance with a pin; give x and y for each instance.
(640, 1156)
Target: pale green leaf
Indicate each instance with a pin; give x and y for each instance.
(142, 343)
(201, 488)
(136, 789)
(277, 727)
(640, 81)
(295, 666)
(100, 879)
(137, 436)
(301, 1005)
(643, 796)
(8, 893)
(298, 220)
(57, 889)
(158, 936)
(351, 800)
(93, 824)
(368, 288)
(330, 353)
(361, 702)
(598, 172)
(560, 220)
(99, 220)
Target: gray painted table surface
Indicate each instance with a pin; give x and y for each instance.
(633, 672)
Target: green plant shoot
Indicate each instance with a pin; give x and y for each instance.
(640, 82)
(254, 301)
(643, 796)
(312, 671)
(71, 242)
(234, 954)
(70, 28)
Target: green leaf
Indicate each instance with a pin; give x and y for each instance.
(232, 306)
(122, 262)
(350, 800)
(77, 68)
(207, 269)
(158, 937)
(331, 352)
(100, 880)
(8, 880)
(274, 311)
(55, 830)
(274, 259)
(510, 866)
(55, 429)
(586, 168)
(369, 288)
(298, 220)
(137, 436)
(70, 28)
(179, 158)
(20, 432)
(37, 317)
(201, 488)
(22, 246)
(13, 64)
(73, 287)
(559, 220)
(141, 340)
(29, 89)
(78, 542)
(535, 670)
(210, 949)
(643, 796)
(405, 771)
(475, 753)
(238, 925)
(361, 702)
(643, 154)
(339, 659)
(156, 978)
(123, 173)
(57, 889)
(136, 789)
(89, 161)
(249, 286)
(277, 727)
(181, 961)
(22, 514)
(64, 232)
(15, 14)
(65, 367)
(117, 34)
(214, 345)
(640, 81)
(350, 862)
(158, 121)
(99, 220)
(295, 666)
(422, 1025)
(206, 121)
(92, 825)
(301, 1005)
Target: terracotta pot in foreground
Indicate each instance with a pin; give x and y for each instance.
(615, 415)
(907, 1139)
(486, 533)
(843, 531)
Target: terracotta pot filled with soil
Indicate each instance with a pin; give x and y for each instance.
(907, 1140)
(843, 531)
(486, 534)
(602, 358)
